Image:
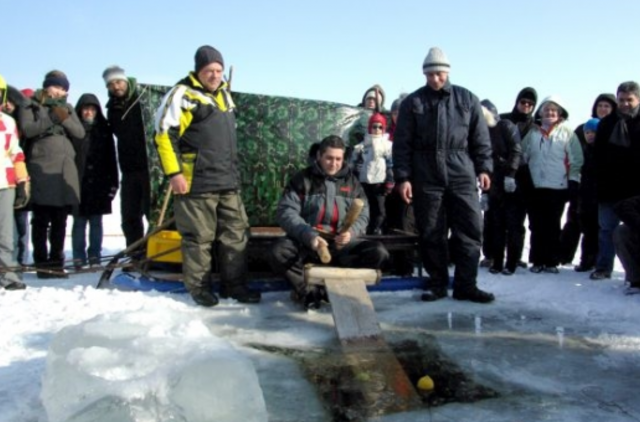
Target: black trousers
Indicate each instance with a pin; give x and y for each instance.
(505, 217)
(570, 234)
(21, 218)
(627, 244)
(288, 258)
(437, 211)
(589, 228)
(48, 223)
(545, 214)
(377, 210)
(134, 204)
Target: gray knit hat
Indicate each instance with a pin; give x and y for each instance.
(206, 55)
(436, 61)
(113, 73)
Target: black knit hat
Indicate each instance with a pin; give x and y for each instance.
(206, 55)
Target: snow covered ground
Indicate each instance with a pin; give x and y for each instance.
(555, 347)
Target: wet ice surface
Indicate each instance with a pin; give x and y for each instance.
(556, 348)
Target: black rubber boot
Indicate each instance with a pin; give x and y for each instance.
(204, 297)
(241, 293)
(474, 295)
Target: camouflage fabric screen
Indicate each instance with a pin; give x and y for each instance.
(274, 136)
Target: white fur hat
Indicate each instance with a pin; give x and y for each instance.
(436, 61)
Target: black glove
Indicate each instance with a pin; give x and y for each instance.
(23, 193)
(574, 190)
(59, 113)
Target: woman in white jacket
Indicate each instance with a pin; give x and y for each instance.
(554, 155)
(371, 161)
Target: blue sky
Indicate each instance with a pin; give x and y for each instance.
(333, 50)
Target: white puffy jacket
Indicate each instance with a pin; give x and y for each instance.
(371, 159)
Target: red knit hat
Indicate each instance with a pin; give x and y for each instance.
(378, 118)
(27, 92)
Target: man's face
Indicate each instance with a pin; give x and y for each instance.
(627, 102)
(603, 109)
(118, 88)
(55, 92)
(88, 113)
(525, 106)
(210, 76)
(331, 161)
(436, 80)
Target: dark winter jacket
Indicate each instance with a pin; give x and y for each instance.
(628, 211)
(521, 120)
(611, 99)
(505, 146)
(314, 200)
(441, 138)
(617, 167)
(196, 136)
(588, 177)
(125, 118)
(50, 152)
(98, 169)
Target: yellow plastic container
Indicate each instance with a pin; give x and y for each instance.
(161, 242)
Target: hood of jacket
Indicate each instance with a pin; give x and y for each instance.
(373, 89)
(490, 112)
(556, 100)
(610, 98)
(90, 99)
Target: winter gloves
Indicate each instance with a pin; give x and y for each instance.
(59, 113)
(23, 193)
(509, 184)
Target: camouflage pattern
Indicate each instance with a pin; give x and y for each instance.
(274, 136)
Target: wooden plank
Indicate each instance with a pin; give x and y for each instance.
(385, 386)
(315, 274)
(353, 312)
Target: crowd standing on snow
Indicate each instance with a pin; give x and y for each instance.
(419, 172)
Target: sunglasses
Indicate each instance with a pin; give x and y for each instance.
(376, 127)
(526, 103)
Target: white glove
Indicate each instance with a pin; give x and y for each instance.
(509, 184)
(484, 202)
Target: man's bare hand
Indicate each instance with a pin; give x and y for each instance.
(406, 192)
(179, 184)
(343, 239)
(318, 242)
(484, 181)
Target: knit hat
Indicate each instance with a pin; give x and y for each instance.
(378, 118)
(57, 79)
(591, 125)
(27, 92)
(114, 73)
(436, 61)
(206, 55)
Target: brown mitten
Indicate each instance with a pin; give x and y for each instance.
(59, 113)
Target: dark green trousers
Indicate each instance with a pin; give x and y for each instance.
(212, 223)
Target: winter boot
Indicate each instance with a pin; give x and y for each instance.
(474, 295)
(204, 297)
(241, 293)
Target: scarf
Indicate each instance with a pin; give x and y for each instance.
(620, 133)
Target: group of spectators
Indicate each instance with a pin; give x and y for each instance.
(426, 164)
(71, 169)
